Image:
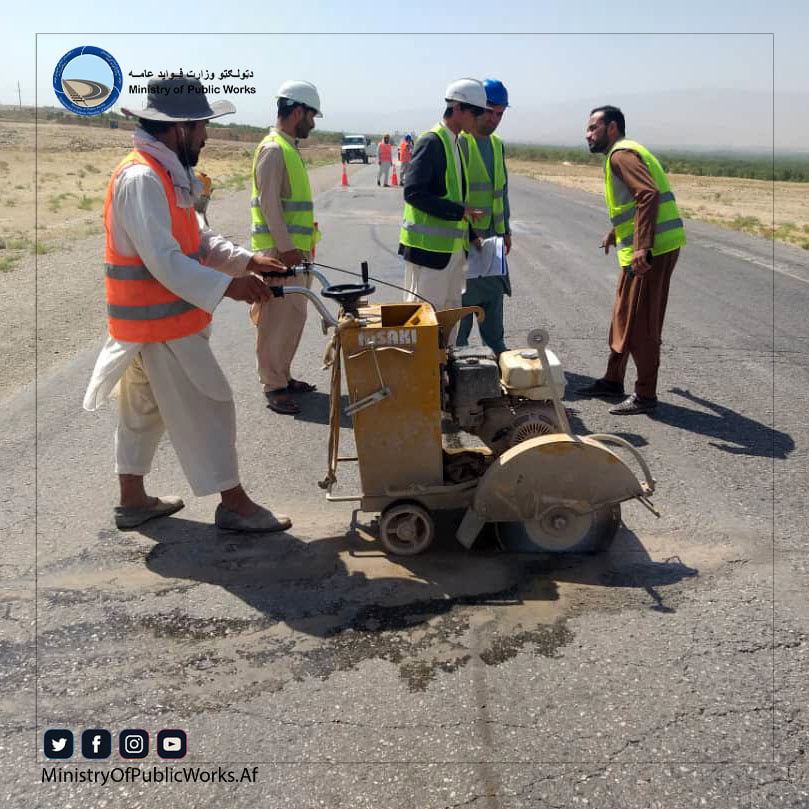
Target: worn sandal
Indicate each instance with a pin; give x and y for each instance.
(279, 401)
(132, 516)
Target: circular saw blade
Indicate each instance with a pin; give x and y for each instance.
(562, 530)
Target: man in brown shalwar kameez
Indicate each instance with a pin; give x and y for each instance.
(647, 234)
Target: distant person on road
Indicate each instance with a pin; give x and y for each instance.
(405, 156)
(164, 278)
(647, 232)
(484, 155)
(436, 219)
(384, 154)
(283, 227)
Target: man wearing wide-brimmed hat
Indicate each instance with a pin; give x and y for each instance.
(164, 278)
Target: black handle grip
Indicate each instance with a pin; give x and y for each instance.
(278, 292)
(278, 273)
(364, 267)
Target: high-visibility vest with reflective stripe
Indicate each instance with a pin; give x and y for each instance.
(669, 230)
(139, 308)
(484, 192)
(427, 232)
(405, 152)
(297, 208)
(384, 152)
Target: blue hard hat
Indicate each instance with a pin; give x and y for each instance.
(496, 92)
(407, 137)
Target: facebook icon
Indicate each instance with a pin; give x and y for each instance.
(96, 743)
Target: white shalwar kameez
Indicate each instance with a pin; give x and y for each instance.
(175, 385)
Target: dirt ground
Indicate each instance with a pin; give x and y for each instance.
(72, 166)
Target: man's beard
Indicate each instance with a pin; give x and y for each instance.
(598, 146)
(302, 130)
(189, 159)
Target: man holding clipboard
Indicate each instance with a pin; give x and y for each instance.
(487, 271)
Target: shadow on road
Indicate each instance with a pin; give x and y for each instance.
(738, 434)
(315, 409)
(334, 584)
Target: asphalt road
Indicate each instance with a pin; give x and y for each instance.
(667, 673)
(83, 90)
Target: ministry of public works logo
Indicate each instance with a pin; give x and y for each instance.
(87, 80)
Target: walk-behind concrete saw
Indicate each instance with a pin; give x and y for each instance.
(542, 487)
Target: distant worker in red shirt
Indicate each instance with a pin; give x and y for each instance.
(385, 156)
(405, 154)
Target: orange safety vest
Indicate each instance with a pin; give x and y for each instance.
(139, 308)
(404, 152)
(384, 152)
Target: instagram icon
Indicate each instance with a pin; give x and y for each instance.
(133, 743)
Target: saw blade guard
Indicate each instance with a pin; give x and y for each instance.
(548, 481)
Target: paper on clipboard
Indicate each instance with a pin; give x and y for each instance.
(490, 260)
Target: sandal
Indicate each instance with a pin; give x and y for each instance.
(297, 386)
(278, 400)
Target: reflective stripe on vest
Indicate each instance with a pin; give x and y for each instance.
(485, 193)
(287, 205)
(139, 308)
(621, 206)
(137, 272)
(298, 209)
(660, 227)
(426, 232)
(290, 229)
(154, 310)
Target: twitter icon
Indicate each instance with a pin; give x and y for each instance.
(58, 743)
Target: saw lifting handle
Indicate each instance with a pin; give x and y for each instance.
(328, 317)
(649, 483)
(307, 268)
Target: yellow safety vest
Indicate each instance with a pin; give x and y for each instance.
(484, 192)
(427, 232)
(669, 230)
(298, 209)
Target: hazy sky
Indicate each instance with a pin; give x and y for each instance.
(698, 74)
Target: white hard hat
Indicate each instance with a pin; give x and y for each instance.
(304, 92)
(467, 91)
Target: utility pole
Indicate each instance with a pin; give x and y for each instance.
(19, 93)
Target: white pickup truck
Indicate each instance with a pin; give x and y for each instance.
(354, 147)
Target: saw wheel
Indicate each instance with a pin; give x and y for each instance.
(562, 530)
(406, 529)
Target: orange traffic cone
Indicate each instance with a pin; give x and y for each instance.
(394, 180)
(344, 178)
